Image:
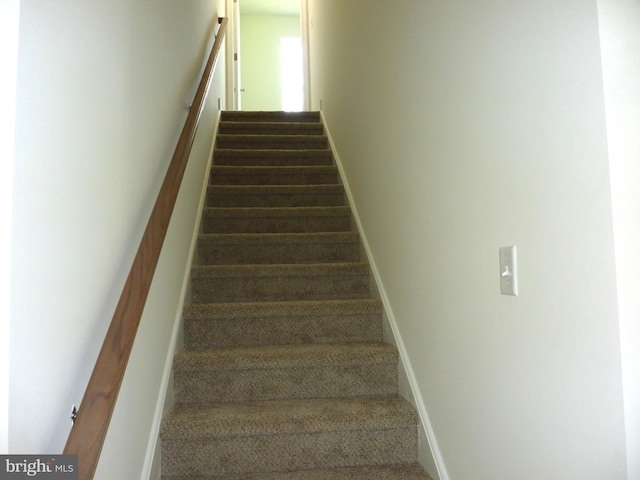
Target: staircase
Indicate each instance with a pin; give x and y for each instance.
(284, 374)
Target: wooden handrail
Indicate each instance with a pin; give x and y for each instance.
(90, 429)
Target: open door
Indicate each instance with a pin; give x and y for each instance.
(304, 33)
(234, 98)
(259, 83)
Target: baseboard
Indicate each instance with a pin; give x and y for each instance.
(151, 467)
(429, 454)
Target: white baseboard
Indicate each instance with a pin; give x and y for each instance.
(151, 467)
(428, 454)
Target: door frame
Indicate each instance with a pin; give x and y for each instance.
(234, 101)
(306, 70)
(234, 74)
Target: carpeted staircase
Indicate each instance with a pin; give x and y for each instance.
(284, 374)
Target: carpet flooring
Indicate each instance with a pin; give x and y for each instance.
(284, 374)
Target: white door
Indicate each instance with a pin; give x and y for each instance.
(304, 32)
(234, 98)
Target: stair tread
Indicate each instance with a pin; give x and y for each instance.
(291, 219)
(294, 138)
(278, 248)
(211, 325)
(272, 157)
(409, 471)
(269, 152)
(267, 122)
(278, 189)
(275, 195)
(267, 115)
(273, 175)
(288, 142)
(203, 420)
(290, 308)
(267, 127)
(285, 356)
(277, 238)
(281, 138)
(275, 169)
(308, 269)
(328, 211)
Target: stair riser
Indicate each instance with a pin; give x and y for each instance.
(276, 158)
(270, 128)
(241, 455)
(282, 224)
(401, 471)
(285, 383)
(223, 199)
(213, 289)
(278, 254)
(283, 142)
(253, 332)
(273, 179)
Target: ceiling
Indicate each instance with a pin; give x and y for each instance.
(270, 7)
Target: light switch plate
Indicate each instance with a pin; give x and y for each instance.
(508, 271)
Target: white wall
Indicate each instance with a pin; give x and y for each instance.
(9, 20)
(464, 127)
(101, 98)
(139, 409)
(620, 38)
(260, 56)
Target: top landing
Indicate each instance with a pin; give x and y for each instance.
(264, 116)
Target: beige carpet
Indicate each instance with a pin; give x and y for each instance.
(284, 374)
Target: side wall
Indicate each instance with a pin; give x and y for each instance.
(463, 128)
(620, 38)
(9, 21)
(101, 99)
(260, 56)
